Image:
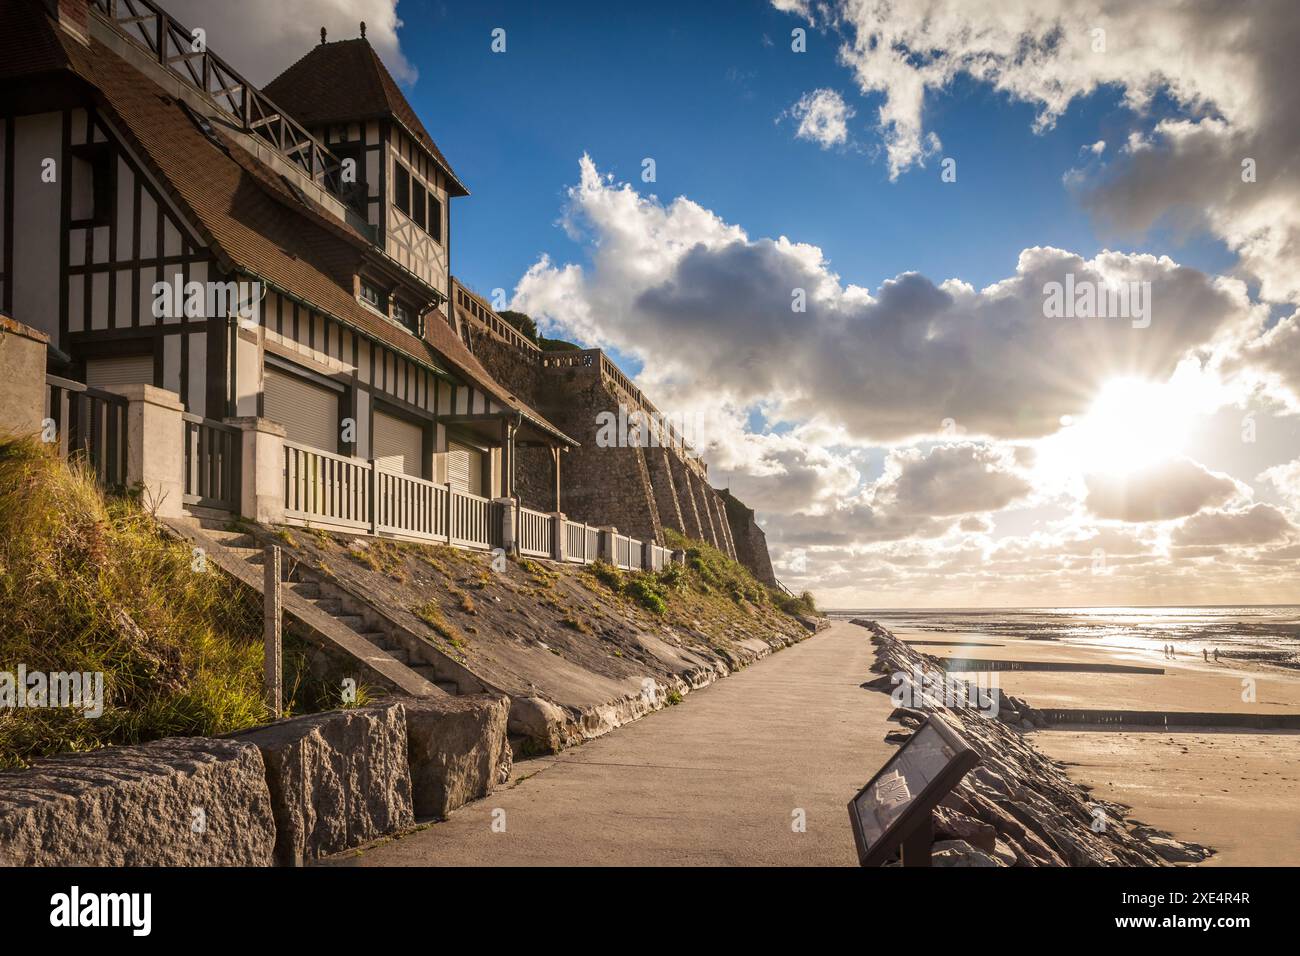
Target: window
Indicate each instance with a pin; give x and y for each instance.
(404, 315)
(435, 219)
(418, 207)
(92, 184)
(352, 176)
(372, 297)
(417, 201)
(401, 188)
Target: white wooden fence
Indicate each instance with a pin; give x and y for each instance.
(349, 494)
(335, 492)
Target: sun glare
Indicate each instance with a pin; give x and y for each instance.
(1133, 424)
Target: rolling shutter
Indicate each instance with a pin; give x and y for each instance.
(399, 445)
(308, 412)
(119, 370)
(465, 468)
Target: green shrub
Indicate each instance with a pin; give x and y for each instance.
(803, 605)
(607, 575)
(710, 571)
(641, 588)
(430, 612)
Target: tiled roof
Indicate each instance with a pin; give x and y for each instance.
(346, 81)
(28, 43)
(252, 222)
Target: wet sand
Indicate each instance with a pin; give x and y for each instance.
(1229, 789)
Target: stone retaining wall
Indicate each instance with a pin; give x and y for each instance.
(640, 491)
(285, 793)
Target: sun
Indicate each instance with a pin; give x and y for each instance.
(1133, 424)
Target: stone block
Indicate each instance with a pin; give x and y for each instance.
(458, 750)
(183, 801)
(337, 780)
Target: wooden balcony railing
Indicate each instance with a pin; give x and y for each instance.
(172, 45)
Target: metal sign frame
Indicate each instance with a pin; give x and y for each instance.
(912, 832)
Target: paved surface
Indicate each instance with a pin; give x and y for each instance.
(716, 780)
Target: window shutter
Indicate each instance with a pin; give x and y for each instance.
(399, 445)
(119, 370)
(465, 468)
(308, 412)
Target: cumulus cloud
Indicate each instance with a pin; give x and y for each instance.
(953, 479)
(1161, 492)
(1286, 479)
(766, 321)
(1260, 524)
(1227, 69)
(823, 118)
(262, 39)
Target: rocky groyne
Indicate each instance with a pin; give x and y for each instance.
(1017, 807)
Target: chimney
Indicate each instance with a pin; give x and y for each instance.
(72, 15)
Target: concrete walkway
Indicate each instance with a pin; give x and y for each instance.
(716, 780)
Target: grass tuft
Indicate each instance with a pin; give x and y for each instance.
(89, 584)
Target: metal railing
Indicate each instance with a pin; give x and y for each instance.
(89, 423)
(581, 542)
(212, 475)
(660, 557)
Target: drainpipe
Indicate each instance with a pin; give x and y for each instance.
(513, 427)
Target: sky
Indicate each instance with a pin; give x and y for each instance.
(826, 235)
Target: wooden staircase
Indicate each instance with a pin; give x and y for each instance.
(322, 620)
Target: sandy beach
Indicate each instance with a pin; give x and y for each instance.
(1230, 789)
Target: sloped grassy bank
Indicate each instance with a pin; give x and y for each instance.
(580, 650)
(89, 585)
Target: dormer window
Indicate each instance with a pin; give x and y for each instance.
(372, 297)
(405, 316)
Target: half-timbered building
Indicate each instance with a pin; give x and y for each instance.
(281, 253)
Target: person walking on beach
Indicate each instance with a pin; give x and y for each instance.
(1216, 655)
(1206, 654)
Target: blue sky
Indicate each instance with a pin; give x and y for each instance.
(700, 87)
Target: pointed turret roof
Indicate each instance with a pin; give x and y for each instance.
(345, 81)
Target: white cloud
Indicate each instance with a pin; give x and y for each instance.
(262, 39)
(1228, 69)
(1260, 524)
(955, 479)
(823, 118)
(702, 301)
(1167, 490)
(1286, 479)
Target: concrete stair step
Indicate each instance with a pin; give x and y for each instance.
(429, 673)
(354, 621)
(305, 589)
(234, 539)
(328, 606)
